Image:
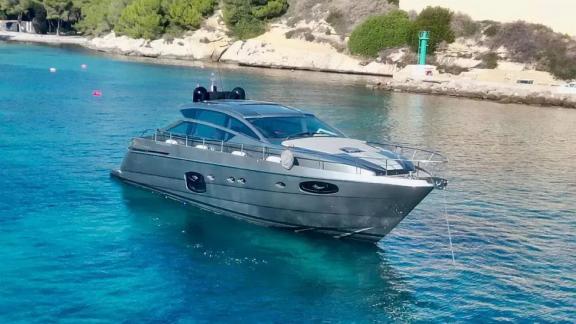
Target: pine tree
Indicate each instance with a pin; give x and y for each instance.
(188, 14)
(59, 10)
(142, 19)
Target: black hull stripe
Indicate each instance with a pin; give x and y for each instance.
(372, 237)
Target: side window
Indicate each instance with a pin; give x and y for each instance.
(211, 133)
(184, 128)
(190, 113)
(241, 128)
(212, 117)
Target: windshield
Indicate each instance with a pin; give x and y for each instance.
(293, 127)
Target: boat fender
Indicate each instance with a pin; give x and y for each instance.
(287, 159)
(273, 158)
(238, 93)
(200, 94)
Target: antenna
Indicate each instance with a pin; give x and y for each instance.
(213, 87)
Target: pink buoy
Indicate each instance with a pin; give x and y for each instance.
(97, 93)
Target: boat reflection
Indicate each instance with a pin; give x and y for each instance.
(307, 264)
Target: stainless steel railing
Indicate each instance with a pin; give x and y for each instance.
(420, 158)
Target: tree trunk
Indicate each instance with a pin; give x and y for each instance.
(58, 28)
(19, 20)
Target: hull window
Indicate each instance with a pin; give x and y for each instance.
(318, 187)
(195, 182)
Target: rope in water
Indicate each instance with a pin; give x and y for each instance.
(448, 226)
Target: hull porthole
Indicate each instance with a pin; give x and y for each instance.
(318, 187)
(195, 182)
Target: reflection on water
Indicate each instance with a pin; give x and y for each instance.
(272, 255)
(78, 246)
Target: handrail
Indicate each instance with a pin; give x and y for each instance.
(415, 150)
(418, 156)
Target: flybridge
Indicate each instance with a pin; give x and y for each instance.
(202, 94)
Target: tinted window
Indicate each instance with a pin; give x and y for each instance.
(241, 128)
(212, 117)
(211, 133)
(278, 127)
(183, 128)
(189, 113)
(284, 127)
(316, 126)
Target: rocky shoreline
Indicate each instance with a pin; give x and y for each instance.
(272, 50)
(498, 92)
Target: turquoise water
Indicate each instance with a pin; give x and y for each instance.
(77, 246)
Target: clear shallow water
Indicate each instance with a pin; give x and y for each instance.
(77, 246)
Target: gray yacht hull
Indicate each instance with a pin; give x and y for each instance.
(262, 192)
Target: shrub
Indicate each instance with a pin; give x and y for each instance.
(142, 19)
(526, 42)
(489, 61)
(492, 30)
(379, 32)
(452, 69)
(247, 18)
(437, 21)
(266, 9)
(534, 43)
(561, 65)
(464, 26)
(337, 20)
(186, 14)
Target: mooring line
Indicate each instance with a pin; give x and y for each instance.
(448, 226)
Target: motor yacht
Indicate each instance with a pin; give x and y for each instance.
(279, 166)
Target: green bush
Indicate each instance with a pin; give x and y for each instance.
(94, 20)
(186, 14)
(437, 21)
(464, 26)
(266, 9)
(247, 18)
(100, 16)
(142, 19)
(380, 32)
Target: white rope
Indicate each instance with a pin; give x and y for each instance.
(448, 226)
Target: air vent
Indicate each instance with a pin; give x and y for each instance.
(351, 150)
